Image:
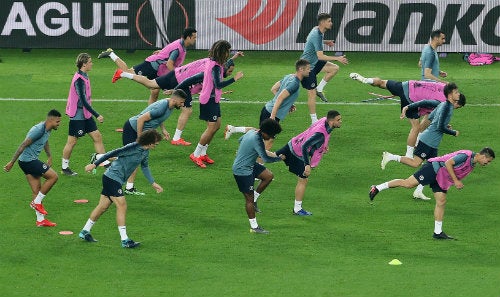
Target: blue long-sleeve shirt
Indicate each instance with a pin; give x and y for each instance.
(440, 117)
(129, 157)
(251, 146)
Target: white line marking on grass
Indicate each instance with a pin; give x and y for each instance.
(231, 102)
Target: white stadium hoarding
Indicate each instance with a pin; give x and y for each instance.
(376, 25)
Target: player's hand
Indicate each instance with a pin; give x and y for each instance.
(292, 108)
(157, 187)
(90, 167)
(283, 157)
(100, 118)
(329, 42)
(459, 185)
(403, 112)
(166, 135)
(456, 134)
(307, 170)
(238, 54)
(443, 74)
(8, 166)
(238, 75)
(343, 60)
(168, 92)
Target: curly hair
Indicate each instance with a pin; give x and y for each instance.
(219, 51)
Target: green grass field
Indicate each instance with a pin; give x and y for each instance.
(195, 239)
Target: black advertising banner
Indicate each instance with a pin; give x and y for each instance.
(93, 24)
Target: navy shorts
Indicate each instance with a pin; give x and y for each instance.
(36, 167)
(129, 135)
(169, 82)
(245, 182)
(424, 151)
(110, 187)
(396, 89)
(310, 82)
(427, 176)
(145, 69)
(210, 111)
(295, 165)
(78, 128)
(264, 115)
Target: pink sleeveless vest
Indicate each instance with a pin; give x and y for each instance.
(72, 103)
(298, 140)
(425, 90)
(443, 178)
(208, 83)
(165, 53)
(190, 69)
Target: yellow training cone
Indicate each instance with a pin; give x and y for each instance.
(395, 262)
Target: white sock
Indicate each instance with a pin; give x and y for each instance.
(420, 188)
(409, 151)
(198, 150)
(314, 118)
(438, 227)
(321, 85)
(204, 150)
(368, 80)
(123, 232)
(129, 186)
(88, 225)
(38, 199)
(297, 206)
(177, 135)
(255, 196)
(127, 75)
(253, 223)
(383, 186)
(39, 217)
(393, 157)
(65, 163)
(113, 56)
(238, 129)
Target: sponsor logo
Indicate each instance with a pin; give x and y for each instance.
(420, 177)
(262, 26)
(80, 132)
(120, 191)
(161, 10)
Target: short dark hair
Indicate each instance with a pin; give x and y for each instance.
(301, 63)
(188, 31)
(82, 59)
(332, 114)
(54, 113)
(436, 33)
(270, 127)
(461, 100)
(180, 93)
(323, 17)
(449, 88)
(148, 137)
(488, 152)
